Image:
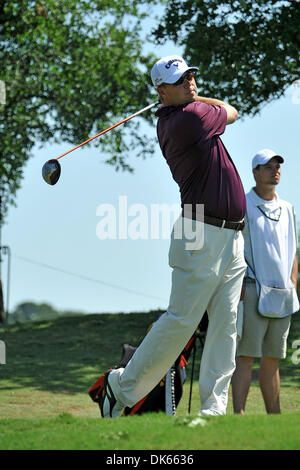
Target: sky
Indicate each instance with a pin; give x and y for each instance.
(54, 233)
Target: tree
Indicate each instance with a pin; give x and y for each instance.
(71, 68)
(247, 51)
(31, 311)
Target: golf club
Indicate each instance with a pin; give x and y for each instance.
(51, 169)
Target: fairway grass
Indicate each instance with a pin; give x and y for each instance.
(44, 401)
(152, 432)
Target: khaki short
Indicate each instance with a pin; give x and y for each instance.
(261, 336)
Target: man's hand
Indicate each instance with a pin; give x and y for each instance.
(243, 291)
(232, 113)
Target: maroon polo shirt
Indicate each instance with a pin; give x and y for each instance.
(189, 139)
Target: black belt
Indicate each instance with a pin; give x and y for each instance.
(215, 221)
(224, 223)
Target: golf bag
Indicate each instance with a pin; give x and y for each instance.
(168, 392)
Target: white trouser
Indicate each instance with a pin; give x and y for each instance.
(209, 279)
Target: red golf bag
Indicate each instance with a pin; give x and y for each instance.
(168, 392)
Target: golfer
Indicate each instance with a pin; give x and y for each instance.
(207, 274)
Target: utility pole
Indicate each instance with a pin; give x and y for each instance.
(5, 307)
(2, 310)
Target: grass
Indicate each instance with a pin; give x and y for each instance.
(50, 366)
(152, 432)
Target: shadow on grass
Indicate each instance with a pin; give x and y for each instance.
(68, 354)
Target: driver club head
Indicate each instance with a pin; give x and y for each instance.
(51, 171)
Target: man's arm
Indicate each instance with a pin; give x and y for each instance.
(294, 274)
(232, 113)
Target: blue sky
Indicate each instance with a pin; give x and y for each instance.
(52, 230)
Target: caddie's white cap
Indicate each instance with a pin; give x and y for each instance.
(263, 156)
(169, 69)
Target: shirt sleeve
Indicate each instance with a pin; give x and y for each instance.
(213, 118)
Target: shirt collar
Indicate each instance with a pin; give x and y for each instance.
(258, 201)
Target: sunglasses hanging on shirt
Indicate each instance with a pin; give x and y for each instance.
(275, 218)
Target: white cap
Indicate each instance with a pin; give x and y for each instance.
(169, 69)
(263, 156)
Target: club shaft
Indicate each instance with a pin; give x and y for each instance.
(110, 128)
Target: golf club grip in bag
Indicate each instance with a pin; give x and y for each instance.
(167, 394)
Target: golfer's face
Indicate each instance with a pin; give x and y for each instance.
(179, 93)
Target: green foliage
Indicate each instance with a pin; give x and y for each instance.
(30, 311)
(70, 68)
(247, 52)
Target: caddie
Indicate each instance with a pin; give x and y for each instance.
(269, 296)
